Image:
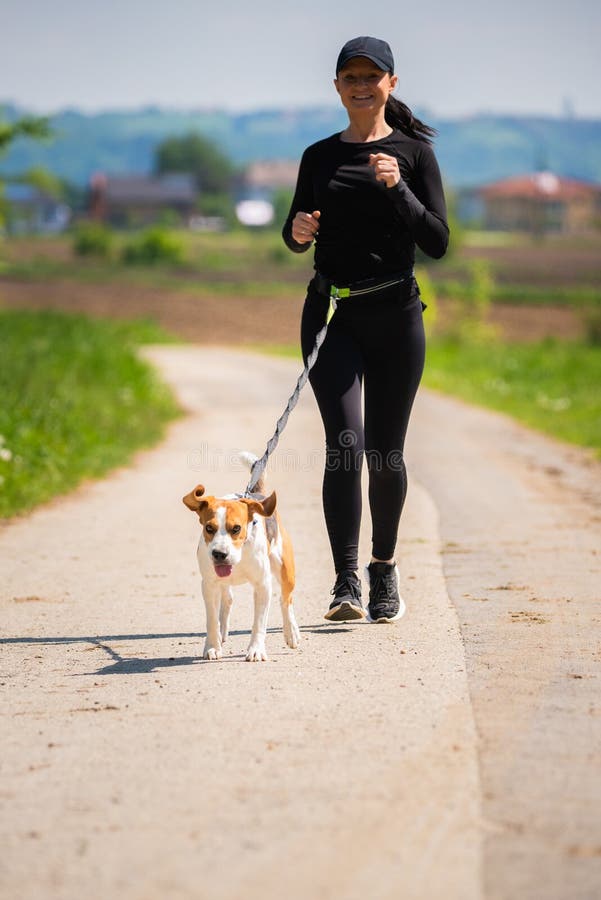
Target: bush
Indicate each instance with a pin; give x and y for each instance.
(279, 253)
(592, 322)
(220, 205)
(92, 239)
(154, 246)
(471, 307)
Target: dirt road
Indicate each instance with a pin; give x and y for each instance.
(456, 755)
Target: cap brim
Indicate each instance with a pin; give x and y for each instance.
(374, 59)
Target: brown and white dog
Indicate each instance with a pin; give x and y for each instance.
(243, 541)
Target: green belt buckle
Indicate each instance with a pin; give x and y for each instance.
(338, 293)
(335, 295)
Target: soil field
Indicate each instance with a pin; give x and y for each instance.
(552, 262)
(241, 320)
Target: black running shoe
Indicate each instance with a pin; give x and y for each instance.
(346, 604)
(385, 601)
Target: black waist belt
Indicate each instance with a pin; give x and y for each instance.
(326, 286)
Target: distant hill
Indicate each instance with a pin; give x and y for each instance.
(471, 150)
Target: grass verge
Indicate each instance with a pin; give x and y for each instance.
(552, 386)
(76, 402)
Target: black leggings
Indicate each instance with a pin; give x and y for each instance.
(377, 341)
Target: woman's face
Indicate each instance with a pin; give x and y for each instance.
(363, 86)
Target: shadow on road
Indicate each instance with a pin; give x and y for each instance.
(140, 665)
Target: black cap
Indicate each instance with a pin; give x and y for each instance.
(378, 51)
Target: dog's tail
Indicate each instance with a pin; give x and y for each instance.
(249, 459)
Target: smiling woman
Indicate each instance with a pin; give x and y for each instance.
(367, 196)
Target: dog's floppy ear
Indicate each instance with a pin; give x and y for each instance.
(193, 501)
(262, 507)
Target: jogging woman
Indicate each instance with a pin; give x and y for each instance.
(366, 196)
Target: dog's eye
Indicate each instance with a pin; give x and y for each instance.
(236, 529)
(210, 529)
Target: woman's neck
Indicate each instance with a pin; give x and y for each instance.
(364, 130)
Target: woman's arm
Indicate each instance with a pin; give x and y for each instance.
(303, 202)
(424, 212)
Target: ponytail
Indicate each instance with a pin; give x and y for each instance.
(398, 115)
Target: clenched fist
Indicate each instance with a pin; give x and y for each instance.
(305, 226)
(386, 168)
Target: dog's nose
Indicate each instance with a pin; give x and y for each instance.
(219, 556)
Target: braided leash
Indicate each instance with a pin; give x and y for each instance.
(260, 464)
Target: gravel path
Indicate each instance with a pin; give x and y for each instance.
(456, 755)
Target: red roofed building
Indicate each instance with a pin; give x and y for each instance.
(542, 202)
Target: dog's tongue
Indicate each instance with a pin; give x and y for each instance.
(223, 571)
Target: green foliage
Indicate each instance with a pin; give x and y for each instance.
(77, 401)
(280, 254)
(218, 205)
(26, 126)
(200, 157)
(92, 239)
(46, 182)
(470, 308)
(155, 245)
(168, 219)
(592, 321)
(282, 201)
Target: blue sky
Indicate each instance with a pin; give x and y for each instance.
(453, 59)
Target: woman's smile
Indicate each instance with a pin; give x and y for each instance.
(361, 84)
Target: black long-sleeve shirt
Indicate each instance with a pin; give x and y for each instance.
(365, 228)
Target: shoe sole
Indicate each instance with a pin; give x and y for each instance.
(346, 612)
(387, 619)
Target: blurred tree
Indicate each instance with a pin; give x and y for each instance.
(282, 200)
(221, 205)
(200, 157)
(26, 126)
(44, 181)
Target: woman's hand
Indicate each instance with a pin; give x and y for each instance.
(305, 226)
(386, 168)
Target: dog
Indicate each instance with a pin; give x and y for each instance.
(243, 541)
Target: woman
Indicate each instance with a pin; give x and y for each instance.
(366, 197)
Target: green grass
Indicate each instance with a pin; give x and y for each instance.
(552, 385)
(527, 294)
(76, 402)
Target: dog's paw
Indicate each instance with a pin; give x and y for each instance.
(256, 653)
(292, 635)
(212, 653)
